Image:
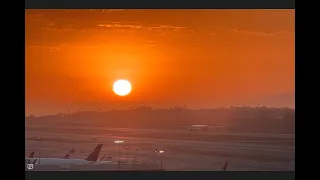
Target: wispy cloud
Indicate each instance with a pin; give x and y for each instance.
(128, 25)
(258, 33)
(166, 27)
(247, 32)
(51, 22)
(61, 47)
(117, 26)
(113, 25)
(46, 47)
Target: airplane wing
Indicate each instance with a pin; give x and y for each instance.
(33, 162)
(102, 158)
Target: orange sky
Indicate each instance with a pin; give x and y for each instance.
(201, 58)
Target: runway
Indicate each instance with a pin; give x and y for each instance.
(183, 151)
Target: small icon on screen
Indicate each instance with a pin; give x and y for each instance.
(29, 166)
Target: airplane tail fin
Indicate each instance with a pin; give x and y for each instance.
(95, 153)
(31, 155)
(224, 168)
(72, 151)
(66, 156)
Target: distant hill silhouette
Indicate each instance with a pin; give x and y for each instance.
(238, 119)
(280, 100)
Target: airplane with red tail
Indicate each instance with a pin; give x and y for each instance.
(91, 159)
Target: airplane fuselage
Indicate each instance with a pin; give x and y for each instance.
(199, 128)
(61, 161)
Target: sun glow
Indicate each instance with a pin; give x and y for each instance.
(122, 87)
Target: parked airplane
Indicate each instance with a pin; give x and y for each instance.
(201, 128)
(67, 156)
(91, 159)
(31, 155)
(224, 168)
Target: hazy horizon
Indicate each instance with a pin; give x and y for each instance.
(126, 108)
(198, 58)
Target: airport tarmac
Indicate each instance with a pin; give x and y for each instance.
(183, 150)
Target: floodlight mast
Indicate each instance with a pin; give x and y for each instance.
(119, 142)
(161, 152)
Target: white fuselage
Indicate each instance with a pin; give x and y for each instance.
(61, 161)
(198, 127)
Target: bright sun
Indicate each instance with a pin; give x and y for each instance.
(122, 87)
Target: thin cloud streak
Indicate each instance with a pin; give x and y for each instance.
(119, 26)
(258, 33)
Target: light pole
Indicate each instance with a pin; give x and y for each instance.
(135, 156)
(26, 147)
(118, 142)
(154, 156)
(127, 152)
(71, 151)
(161, 152)
(39, 148)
